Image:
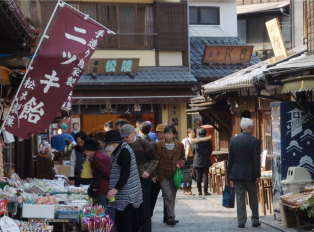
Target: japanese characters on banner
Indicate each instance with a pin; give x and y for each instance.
(58, 66)
(68, 101)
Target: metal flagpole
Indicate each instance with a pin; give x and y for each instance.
(108, 30)
(30, 64)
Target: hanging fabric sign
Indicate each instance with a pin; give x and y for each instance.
(60, 63)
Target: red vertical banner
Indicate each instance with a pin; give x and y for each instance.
(60, 63)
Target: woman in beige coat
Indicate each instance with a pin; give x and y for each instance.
(188, 146)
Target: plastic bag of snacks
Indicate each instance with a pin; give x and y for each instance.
(295, 199)
(44, 148)
(48, 200)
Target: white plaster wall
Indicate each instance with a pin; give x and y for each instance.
(228, 20)
(170, 59)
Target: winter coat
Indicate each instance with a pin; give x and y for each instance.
(77, 160)
(202, 149)
(244, 158)
(101, 165)
(178, 158)
(187, 142)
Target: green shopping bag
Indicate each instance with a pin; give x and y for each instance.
(178, 178)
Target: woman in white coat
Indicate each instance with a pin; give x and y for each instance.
(188, 146)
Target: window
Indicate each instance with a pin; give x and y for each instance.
(133, 24)
(204, 15)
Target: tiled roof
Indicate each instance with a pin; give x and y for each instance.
(216, 71)
(142, 77)
(247, 78)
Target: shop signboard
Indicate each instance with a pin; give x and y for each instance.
(276, 38)
(54, 72)
(227, 54)
(112, 66)
(8, 225)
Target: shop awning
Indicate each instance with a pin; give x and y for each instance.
(298, 84)
(247, 78)
(15, 30)
(244, 79)
(133, 96)
(262, 7)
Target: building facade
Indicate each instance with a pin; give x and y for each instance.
(252, 16)
(140, 72)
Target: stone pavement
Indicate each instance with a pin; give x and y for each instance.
(202, 215)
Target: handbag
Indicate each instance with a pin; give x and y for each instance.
(228, 197)
(92, 189)
(187, 177)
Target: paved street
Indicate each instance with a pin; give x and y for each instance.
(198, 214)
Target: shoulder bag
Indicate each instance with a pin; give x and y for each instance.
(93, 187)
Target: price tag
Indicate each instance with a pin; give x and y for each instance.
(3, 206)
(8, 225)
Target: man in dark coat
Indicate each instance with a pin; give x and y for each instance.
(244, 168)
(202, 149)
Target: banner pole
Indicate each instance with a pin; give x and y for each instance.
(30, 64)
(108, 30)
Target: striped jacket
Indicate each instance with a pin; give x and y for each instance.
(131, 193)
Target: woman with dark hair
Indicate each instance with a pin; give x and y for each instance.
(108, 126)
(80, 165)
(171, 156)
(202, 149)
(188, 145)
(101, 165)
(100, 137)
(120, 123)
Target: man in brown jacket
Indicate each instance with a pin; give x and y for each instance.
(146, 160)
(171, 156)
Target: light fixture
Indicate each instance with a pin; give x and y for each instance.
(236, 105)
(59, 131)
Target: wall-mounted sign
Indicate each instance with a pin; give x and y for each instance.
(276, 38)
(227, 54)
(112, 66)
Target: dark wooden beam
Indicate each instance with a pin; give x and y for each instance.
(209, 120)
(219, 121)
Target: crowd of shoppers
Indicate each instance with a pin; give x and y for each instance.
(132, 165)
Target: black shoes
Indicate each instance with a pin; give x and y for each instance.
(165, 220)
(256, 225)
(171, 221)
(207, 194)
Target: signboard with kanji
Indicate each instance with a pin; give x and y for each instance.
(226, 54)
(276, 38)
(112, 66)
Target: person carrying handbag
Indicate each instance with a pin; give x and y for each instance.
(188, 146)
(171, 156)
(100, 165)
